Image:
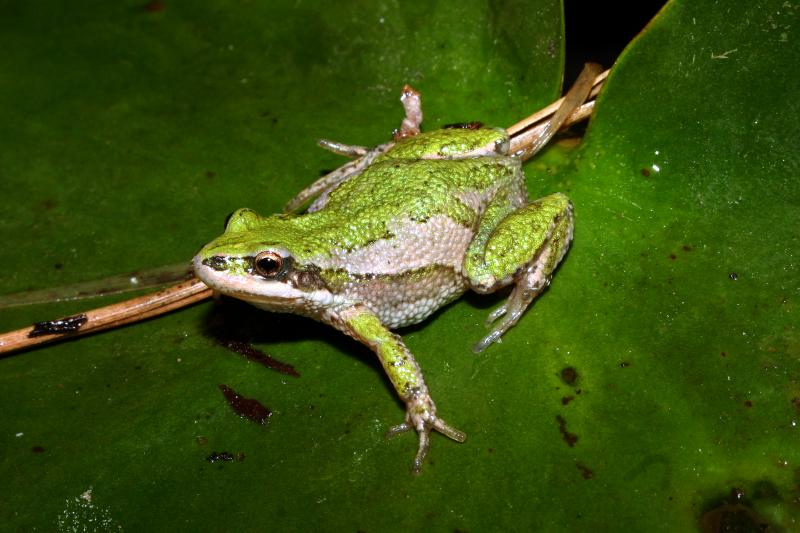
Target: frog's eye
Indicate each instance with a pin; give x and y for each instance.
(269, 264)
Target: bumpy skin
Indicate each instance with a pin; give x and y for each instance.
(392, 241)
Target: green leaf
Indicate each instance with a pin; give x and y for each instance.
(130, 130)
(656, 384)
(685, 267)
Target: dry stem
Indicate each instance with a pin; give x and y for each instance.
(112, 316)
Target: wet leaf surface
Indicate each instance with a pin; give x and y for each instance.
(654, 385)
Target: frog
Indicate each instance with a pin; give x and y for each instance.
(399, 232)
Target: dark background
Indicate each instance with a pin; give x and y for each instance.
(599, 31)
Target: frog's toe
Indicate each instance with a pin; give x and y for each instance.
(498, 329)
(421, 416)
(348, 150)
(510, 312)
(494, 315)
(509, 318)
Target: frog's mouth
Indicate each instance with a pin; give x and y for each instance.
(235, 276)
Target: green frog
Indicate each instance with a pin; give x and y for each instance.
(404, 229)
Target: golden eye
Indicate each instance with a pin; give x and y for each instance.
(269, 264)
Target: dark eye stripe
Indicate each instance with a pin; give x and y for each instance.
(216, 263)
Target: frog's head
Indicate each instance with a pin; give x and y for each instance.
(254, 261)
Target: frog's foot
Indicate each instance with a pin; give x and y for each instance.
(347, 150)
(421, 416)
(412, 102)
(529, 284)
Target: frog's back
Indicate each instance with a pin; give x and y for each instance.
(419, 189)
(397, 232)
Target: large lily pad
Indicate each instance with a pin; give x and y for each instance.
(654, 385)
(687, 199)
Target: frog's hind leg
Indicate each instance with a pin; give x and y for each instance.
(412, 103)
(321, 189)
(404, 373)
(524, 248)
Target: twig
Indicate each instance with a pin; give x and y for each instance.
(552, 108)
(111, 316)
(532, 133)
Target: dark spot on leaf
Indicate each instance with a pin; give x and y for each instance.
(673, 256)
(723, 354)
(219, 456)
(748, 403)
(225, 456)
(246, 407)
(645, 172)
(179, 339)
(796, 403)
(624, 364)
(155, 6)
(58, 266)
(586, 472)
(566, 399)
(569, 438)
(569, 375)
(201, 440)
(257, 356)
(765, 490)
(210, 174)
(37, 449)
(686, 248)
(733, 513)
(733, 276)
(48, 204)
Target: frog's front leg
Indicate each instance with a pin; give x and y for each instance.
(523, 247)
(404, 372)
